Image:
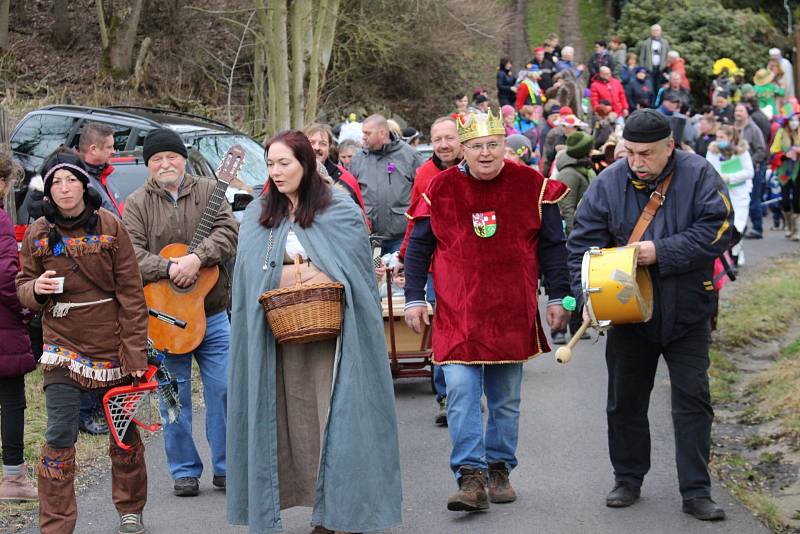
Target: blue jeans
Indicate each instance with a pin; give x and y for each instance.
(438, 375)
(439, 383)
(756, 209)
(502, 385)
(212, 358)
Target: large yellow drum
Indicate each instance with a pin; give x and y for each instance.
(615, 290)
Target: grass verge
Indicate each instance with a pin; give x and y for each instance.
(778, 391)
(745, 483)
(722, 376)
(595, 22)
(542, 19)
(762, 309)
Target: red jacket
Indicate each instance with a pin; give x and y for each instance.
(352, 183)
(679, 66)
(422, 179)
(104, 180)
(610, 90)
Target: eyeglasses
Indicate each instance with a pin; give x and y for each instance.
(491, 147)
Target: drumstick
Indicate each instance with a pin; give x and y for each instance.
(564, 354)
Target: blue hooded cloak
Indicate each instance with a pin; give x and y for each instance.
(358, 484)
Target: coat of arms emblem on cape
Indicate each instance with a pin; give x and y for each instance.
(484, 224)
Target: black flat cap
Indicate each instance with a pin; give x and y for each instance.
(646, 126)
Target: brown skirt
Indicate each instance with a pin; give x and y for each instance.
(303, 389)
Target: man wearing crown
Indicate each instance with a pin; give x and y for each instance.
(493, 227)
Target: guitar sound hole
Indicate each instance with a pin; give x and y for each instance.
(179, 289)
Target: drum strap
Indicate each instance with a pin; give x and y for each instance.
(657, 199)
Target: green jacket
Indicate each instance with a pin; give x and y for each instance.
(577, 177)
(766, 95)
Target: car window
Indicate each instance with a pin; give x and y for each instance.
(200, 165)
(140, 139)
(128, 177)
(41, 134)
(214, 147)
(121, 135)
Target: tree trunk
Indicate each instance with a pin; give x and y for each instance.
(4, 5)
(516, 46)
(794, 58)
(301, 47)
(278, 67)
(101, 21)
(140, 70)
(261, 104)
(21, 16)
(122, 37)
(324, 31)
(61, 28)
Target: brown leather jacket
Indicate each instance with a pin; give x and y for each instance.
(86, 344)
(154, 220)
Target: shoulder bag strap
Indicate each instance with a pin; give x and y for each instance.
(657, 199)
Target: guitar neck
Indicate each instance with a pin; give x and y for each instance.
(209, 214)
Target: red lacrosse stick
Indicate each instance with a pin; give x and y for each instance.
(122, 405)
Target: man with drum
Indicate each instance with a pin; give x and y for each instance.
(689, 230)
(493, 226)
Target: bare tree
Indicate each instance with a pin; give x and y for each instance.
(324, 31)
(515, 45)
(119, 37)
(301, 51)
(296, 74)
(61, 27)
(4, 5)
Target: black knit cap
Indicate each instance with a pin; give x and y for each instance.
(63, 159)
(163, 140)
(646, 126)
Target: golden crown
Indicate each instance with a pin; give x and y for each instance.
(480, 125)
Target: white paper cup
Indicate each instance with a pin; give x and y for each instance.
(60, 287)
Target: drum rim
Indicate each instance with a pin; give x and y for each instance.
(587, 299)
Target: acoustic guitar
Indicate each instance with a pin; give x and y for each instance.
(179, 325)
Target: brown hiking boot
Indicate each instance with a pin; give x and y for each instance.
(500, 490)
(18, 488)
(471, 494)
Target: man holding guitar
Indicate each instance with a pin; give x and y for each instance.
(170, 211)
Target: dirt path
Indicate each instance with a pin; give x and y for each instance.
(570, 29)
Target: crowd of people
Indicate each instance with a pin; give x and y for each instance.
(744, 128)
(567, 158)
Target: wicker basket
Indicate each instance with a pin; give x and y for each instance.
(304, 313)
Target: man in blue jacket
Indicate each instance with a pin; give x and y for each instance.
(679, 247)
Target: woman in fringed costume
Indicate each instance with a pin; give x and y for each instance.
(79, 267)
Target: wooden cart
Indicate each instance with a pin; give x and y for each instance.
(409, 352)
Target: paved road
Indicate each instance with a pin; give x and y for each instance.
(562, 479)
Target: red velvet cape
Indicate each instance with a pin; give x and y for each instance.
(422, 180)
(487, 287)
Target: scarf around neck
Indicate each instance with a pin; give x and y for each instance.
(650, 185)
